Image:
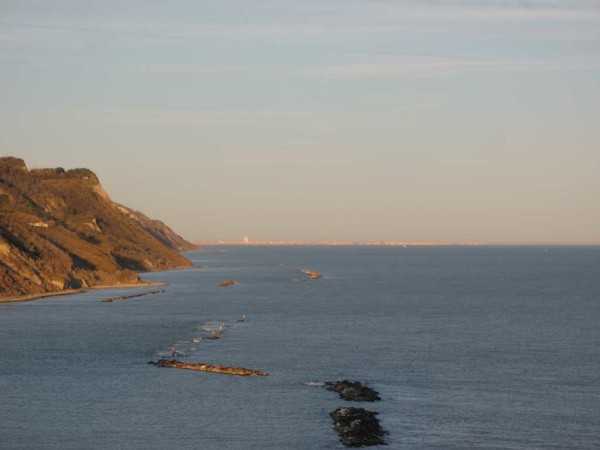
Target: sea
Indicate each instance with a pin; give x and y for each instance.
(491, 347)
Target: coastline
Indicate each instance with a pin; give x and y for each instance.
(26, 298)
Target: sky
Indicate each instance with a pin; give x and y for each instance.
(361, 120)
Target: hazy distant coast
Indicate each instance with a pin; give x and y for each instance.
(338, 243)
(389, 243)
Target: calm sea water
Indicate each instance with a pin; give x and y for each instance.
(479, 347)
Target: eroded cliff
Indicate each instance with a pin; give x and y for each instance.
(60, 230)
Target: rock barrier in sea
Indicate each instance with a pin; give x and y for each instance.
(238, 371)
(353, 391)
(312, 275)
(357, 427)
(127, 297)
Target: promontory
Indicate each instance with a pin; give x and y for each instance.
(60, 231)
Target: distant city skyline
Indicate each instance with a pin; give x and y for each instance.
(355, 120)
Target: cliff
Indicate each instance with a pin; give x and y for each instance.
(60, 230)
(159, 230)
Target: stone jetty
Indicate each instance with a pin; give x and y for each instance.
(238, 371)
(353, 391)
(127, 297)
(312, 275)
(357, 427)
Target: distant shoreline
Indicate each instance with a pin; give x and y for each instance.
(336, 243)
(387, 244)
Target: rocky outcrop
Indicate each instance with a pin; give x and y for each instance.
(312, 275)
(353, 391)
(227, 283)
(59, 231)
(238, 371)
(357, 427)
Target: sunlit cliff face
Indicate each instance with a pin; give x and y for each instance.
(60, 231)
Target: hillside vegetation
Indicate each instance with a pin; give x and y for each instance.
(60, 230)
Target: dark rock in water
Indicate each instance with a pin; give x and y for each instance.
(353, 391)
(227, 283)
(127, 297)
(357, 427)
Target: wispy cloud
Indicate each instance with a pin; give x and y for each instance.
(377, 66)
(209, 118)
(414, 66)
(19, 60)
(179, 69)
(327, 21)
(253, 119)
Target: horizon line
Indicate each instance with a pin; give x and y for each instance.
(332, 243)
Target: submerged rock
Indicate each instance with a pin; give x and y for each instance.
(227, 283)
(357, 427)
(239, 371)
(353, 391)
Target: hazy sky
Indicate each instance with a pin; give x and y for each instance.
(472, 120)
